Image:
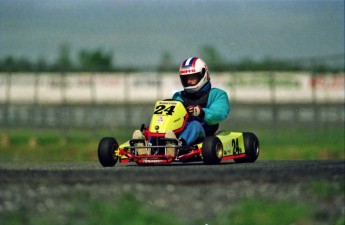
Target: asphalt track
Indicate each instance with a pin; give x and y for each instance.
(176, 173)
(191, 191)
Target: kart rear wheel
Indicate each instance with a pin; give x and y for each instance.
(252, 148)
(106, 151)
(212, 150)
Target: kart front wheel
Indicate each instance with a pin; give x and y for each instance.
(106, 151)
(252, 148)
(212, 150)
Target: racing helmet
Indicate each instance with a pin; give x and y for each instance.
(193, 74)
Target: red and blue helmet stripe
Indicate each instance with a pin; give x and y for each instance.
(189, 62)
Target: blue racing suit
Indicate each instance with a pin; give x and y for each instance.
(216, 107)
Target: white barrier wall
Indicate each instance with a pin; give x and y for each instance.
(280, 87)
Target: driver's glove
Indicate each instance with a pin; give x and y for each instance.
(195, 111)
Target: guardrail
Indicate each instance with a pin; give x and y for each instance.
(102, 88)
(106, 116)
(109, 101)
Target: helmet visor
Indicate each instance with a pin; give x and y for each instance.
(191, 79)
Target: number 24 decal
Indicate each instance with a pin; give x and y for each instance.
(163, 108)
(235, 146)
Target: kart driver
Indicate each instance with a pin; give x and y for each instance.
(206, 106)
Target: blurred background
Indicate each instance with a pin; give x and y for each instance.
(74, 71)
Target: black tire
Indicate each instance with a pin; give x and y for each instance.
(106, 151)
(252, 148)
(212, 150)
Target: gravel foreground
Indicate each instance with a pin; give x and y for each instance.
(192, 192)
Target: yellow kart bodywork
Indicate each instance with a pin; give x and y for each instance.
(171, 115)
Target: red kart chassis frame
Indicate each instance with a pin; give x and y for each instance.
(192, 153)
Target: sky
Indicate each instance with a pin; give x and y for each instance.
(139, 32)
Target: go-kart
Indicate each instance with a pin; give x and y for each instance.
(171, 115)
